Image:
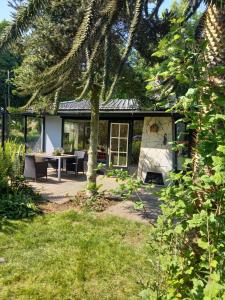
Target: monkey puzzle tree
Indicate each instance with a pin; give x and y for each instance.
(101, 27)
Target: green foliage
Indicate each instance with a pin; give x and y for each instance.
(17, 205)
(16, 198)
(193, 221)
(8, 62)
(11, 165)
(128, 184)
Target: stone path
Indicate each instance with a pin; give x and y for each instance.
(125, 209)
(61, 192)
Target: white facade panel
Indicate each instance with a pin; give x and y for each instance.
(53, 133)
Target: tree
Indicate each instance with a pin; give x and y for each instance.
(101, 26)
(8, 62)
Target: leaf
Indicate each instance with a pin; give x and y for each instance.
(176, 37)
(159, 53)
(221, 149)
(138, 205)
(202, 244)
(213, 263)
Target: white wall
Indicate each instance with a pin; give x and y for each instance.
(53, 133)
(154, 155)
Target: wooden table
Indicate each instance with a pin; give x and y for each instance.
(57, 157)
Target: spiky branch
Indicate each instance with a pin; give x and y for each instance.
(22, 21)
(132, 32)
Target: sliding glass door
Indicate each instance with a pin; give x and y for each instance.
(118, 152)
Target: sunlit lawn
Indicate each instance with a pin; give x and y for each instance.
(74, 256)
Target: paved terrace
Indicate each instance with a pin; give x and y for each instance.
(60, 192)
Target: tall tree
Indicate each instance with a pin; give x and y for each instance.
(8, 62)
(98, 22)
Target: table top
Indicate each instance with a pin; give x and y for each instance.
(46, 155)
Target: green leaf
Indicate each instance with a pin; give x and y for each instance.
(176, 37)
(221, 149)
(202, 244)
(159, 53)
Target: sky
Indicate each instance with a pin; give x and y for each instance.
(5, 10)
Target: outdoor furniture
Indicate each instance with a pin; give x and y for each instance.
(76, 164)
(35, 169)
(52, 163)
(58, 158)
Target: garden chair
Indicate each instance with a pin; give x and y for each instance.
(35, 169)
(76, 164)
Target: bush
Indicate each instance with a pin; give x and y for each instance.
(16, 197)
(11, 165)
(17, 206)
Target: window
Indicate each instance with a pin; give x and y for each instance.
(119, 133)
(77, 136)
(34, 134)
(15, 128)
(136, 141)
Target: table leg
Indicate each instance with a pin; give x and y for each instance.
(59, 169)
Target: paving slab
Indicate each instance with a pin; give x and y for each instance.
(60, 192)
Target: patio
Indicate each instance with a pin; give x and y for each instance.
(61, 192)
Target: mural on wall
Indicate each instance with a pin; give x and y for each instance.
(156, 154)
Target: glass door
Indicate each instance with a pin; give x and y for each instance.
(118, 152)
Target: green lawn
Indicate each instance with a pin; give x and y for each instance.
(74, 256)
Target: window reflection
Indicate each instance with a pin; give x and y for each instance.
(77, 137)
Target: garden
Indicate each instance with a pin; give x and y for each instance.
(172, 60)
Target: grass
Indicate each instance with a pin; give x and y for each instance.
(73, 255)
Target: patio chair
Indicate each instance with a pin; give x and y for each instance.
(35, 169)
(76, 164)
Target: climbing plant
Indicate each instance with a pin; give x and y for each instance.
(192, 225)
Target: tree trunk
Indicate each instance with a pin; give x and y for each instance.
(214, 34)
(214, 30)
(92, 153)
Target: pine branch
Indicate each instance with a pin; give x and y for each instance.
(22, 21)
(109, 14)
(79, 40)
(132, 32)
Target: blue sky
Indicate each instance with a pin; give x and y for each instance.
(5, 10)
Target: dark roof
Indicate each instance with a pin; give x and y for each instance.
(112, 105)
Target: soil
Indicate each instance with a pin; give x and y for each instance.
(80, 202)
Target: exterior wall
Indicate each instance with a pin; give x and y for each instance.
(53, 133)
(154, 155)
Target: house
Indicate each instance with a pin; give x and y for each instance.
(129, 136)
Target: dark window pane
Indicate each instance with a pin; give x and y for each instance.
(123, 130)
(34, 136)
(114, 158)
(123, 145)
(115, 130)
(103, 135)
(16, 128)
(123, 159)
(114, 144)
(136, 141)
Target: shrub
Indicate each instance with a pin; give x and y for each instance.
(16, 197)
(11, 165)
(17, 206)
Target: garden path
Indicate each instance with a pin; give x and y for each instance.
(61, 192)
